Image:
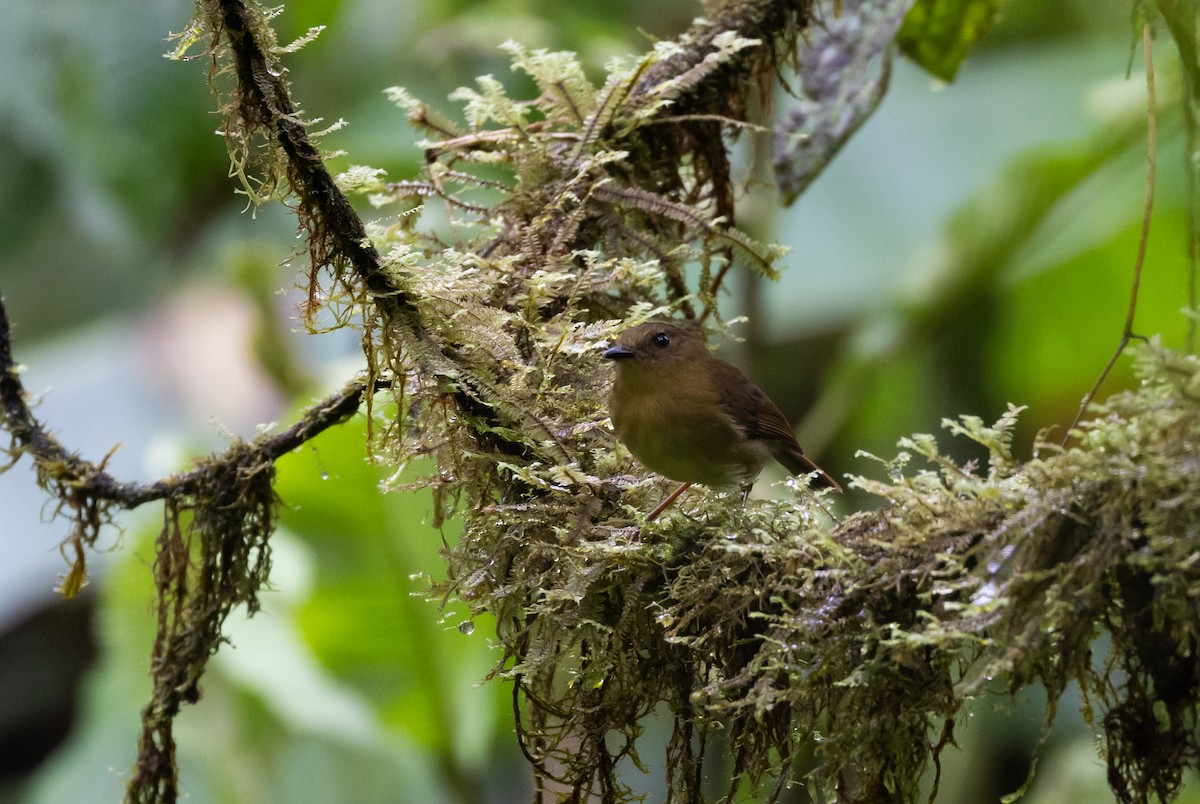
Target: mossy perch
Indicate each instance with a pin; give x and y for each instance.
(763, 618)
(875, 632)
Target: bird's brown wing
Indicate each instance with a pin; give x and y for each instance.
(756, 415)
(760, 418)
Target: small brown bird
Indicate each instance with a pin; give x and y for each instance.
(690, 416)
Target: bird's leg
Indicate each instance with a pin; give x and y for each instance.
(665, 504)
(746, 491)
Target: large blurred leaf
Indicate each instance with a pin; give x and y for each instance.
(368, 620)
(1023, 298)
(1056, 329)
(952, 307)
(938, 34)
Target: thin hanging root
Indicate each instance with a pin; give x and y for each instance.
(1127, 334)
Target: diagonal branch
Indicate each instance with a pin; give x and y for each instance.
(56, 465)
(336, 233)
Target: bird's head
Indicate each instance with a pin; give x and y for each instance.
(657, 346)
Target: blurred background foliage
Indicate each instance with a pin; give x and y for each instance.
(971, 247)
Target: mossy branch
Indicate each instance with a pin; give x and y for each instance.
(764, 619)
(213, 552)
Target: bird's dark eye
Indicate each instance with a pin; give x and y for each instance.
(661, 340)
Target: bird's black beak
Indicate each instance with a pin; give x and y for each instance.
(617, 353)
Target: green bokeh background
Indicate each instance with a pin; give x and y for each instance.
(971, 247)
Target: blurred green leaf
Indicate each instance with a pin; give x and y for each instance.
(938, 34)
(952, 309)
(368, 620)
(1055, 330)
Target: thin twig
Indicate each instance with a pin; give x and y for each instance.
(53, 459)
(1127, 333)
(715, 287)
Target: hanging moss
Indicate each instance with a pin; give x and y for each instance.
(212, 555)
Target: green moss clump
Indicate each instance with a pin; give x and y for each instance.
(860, 642)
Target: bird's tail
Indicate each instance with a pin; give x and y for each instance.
(796, 462)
